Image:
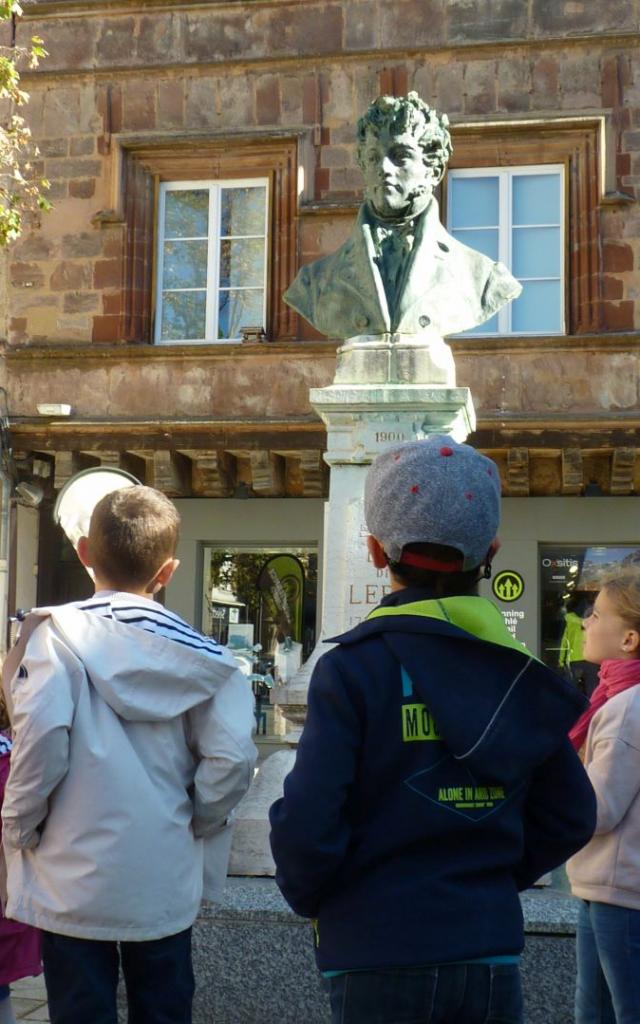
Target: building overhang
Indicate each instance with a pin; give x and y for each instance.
(558, 413)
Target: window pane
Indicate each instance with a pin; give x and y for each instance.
(538, 309)
(536, 252)
(242, 262)
(536, 199)
(485, 241)
(474, 202)
(185, 265)
(183, 315)
(242, 211)
(488, 327)
(186, 214)
(239, 309)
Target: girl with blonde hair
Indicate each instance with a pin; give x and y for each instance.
(605, 874)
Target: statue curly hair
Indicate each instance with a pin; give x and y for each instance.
(402, 114)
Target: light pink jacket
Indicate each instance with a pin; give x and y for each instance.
(607, 869)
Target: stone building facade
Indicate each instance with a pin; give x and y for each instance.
(136, 94)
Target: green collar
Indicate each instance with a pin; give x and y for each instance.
(476, 615)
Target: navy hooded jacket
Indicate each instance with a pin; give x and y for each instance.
(433, 780)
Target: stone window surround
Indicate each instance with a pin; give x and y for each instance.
(141, 163)
(585, 145)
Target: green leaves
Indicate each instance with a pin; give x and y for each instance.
(21, 192)
(9, 7)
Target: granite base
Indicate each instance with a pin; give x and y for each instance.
(254, 961)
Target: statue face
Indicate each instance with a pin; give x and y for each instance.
(394, 172)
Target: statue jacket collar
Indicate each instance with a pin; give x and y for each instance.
(428, 250)
(446, 285)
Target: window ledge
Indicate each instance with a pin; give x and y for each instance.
(198, 352)
(618, 342)
(551, 342)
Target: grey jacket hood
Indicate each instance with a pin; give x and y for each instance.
(142, 676)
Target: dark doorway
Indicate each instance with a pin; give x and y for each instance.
(61, 576)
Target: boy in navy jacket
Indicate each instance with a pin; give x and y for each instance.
(434, 778)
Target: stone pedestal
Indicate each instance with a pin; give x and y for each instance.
(396, 359)
(250, 850)
(361, 420)
(254, 964)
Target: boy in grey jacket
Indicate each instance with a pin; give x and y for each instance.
(132, 736)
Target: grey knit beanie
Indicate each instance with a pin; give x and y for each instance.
(434, 491)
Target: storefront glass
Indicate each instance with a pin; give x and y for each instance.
(570, 577)
(261, 603)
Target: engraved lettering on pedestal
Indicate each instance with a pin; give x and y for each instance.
(390, 436)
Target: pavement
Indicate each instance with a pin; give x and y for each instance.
(29, 999)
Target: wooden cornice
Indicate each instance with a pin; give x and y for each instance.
(259, 466)
(47, 435)
(595, 419)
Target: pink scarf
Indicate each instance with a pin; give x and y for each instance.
(616, 675)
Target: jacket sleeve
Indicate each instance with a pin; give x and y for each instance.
(500, 287)
(559, 815)
(41, 695)
(310, 830)
(220, 733)
(300, 294)
(614, 772)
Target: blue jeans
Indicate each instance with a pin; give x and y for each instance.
(81, 976)
(608, 953)
(449, 994)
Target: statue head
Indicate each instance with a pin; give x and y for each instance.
(403, 149)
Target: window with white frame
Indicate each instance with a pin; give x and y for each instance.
(516, 215)
(212, 260)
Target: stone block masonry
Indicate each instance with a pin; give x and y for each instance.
(219, 71)
(135, 92)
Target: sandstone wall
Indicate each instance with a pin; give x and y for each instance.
(136, 71)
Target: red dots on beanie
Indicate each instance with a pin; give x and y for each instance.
(446, 451)
(469, 496)
(415, 489)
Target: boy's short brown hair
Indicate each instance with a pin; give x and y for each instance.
(133, 531)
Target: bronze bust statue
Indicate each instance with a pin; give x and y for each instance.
(400, 273)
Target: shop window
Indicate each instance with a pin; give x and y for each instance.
(262, 603)
(210, 241)
(516, 215)
(570, 578)
(212, 260)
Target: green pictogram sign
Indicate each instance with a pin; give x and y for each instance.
(508, 585)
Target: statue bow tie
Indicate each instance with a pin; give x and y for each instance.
(395, 240)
